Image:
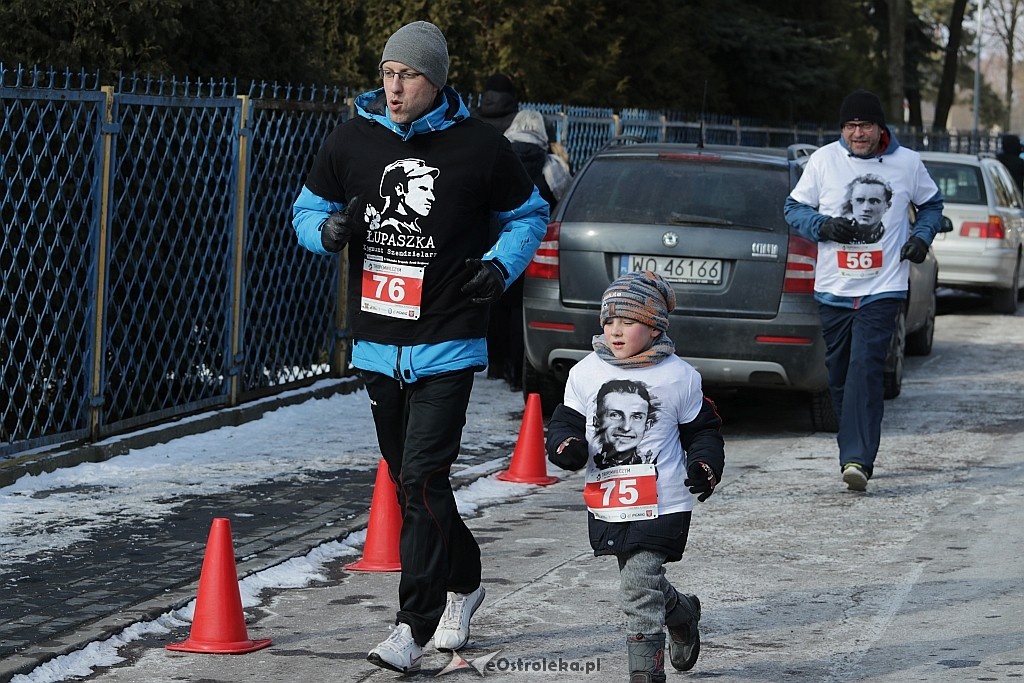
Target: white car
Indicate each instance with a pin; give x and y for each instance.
(983, 251)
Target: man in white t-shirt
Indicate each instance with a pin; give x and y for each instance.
(862, 274)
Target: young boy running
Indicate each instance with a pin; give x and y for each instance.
(634, 414)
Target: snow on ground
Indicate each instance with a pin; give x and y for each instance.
(146, 483)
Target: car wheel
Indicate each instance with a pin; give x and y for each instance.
(550, 389)
(1005, 300)
(893, 376)
(919, 342)
(823, 415)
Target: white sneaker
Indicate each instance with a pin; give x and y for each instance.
(399, 652)
(453, 630)
(854, 478)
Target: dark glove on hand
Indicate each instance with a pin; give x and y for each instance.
(337, 229)
(486, 283)
(571, 454)
(701, 479)
(838, 229)
(914, 250)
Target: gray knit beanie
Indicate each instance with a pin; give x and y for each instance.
(422, 46)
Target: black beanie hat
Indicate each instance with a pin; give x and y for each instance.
(861, 105)
(500, 83)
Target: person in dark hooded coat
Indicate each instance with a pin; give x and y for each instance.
(1010, 157)
(499, 103)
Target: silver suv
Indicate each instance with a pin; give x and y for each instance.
(710, 221)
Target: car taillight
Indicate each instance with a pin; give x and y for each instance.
(803, 255)
(993, 229)
(545, 260)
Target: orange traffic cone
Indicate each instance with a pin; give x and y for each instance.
(529, 465)
(380, 552)
(218, 624)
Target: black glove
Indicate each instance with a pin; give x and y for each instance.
(701, 479)
(486, 283)
(914, 250)
(838, 229)
(337, 229)
(571, 454)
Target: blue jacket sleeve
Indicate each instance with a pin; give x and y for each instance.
(804, 219)
(521, 232)
(308, 215)
(929, 218)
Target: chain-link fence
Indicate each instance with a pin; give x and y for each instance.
(149, 265)
(150, 268)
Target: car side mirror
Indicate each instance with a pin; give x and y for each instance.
(947, 225)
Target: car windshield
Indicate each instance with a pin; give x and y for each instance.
(681, 192)
(959, 183)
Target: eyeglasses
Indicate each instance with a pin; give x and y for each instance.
(404, 76)
(865, 126)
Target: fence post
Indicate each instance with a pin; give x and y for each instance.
(342, 351)
(107, 131)
(237, 355)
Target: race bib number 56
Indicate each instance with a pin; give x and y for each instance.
(392, 289)
(622, 494)
(859, 261)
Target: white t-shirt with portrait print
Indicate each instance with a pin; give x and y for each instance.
(674, 389)
(860, 270)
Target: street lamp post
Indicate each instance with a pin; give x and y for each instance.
(977, 79)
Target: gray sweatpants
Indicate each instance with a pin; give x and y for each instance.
(644, 590)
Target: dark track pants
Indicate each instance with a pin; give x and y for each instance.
(856, 346)
(419, 430)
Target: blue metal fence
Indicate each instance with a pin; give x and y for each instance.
(149, 265)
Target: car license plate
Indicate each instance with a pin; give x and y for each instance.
(692, 271)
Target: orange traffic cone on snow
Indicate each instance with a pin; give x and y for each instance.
(529, 464)
(380, 552)
(218, 624)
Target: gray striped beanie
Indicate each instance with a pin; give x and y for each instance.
(644, 297)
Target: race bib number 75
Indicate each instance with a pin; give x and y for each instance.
(622, 494)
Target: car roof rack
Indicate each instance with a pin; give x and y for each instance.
(623, 140)
(800, 150)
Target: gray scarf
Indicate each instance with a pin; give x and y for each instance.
(662, 348)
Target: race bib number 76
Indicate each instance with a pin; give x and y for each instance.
(392, 289)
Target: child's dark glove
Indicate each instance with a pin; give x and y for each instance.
(571, 454)
(701, 479)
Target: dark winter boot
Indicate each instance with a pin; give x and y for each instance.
(681, 616)
(646, 658)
